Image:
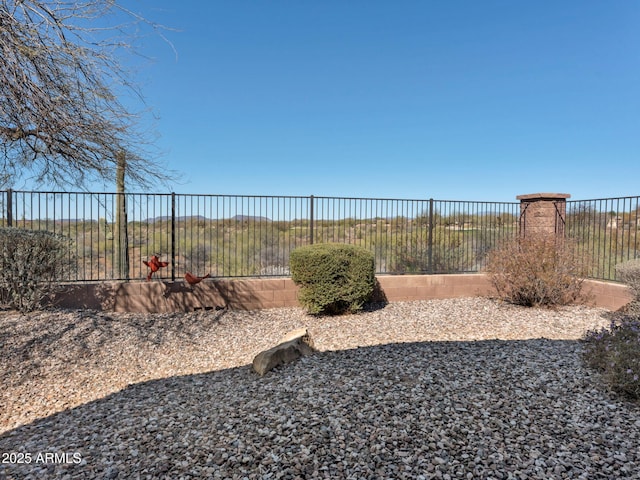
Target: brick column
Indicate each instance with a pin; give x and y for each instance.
(543, 214)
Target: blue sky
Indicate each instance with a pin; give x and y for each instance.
(461, 100)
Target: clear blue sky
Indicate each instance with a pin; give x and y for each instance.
(462, 100)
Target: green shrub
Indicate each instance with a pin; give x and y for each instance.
(615, 353)
(31, 261)
(333, 278)
(538, 271)
(629, 273)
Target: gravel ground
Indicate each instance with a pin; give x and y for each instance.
(461, 388)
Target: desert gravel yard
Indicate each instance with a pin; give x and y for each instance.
(459, 388)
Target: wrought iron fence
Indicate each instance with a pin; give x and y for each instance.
(607, 230)
(240, 236)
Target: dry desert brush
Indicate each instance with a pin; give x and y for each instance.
(536, 271)
(31, 262)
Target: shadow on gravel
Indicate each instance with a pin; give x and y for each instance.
(390, 411)
(24, 350)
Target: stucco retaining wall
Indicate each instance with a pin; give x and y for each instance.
(253, 293)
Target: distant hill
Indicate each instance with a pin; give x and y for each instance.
(200, 218)
(247, 218)
(166, 218)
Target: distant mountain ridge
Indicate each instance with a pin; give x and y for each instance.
(166, 218)
(200, 218)
(245, 218)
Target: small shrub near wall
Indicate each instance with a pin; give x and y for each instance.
(615, 353)
(629, 273)
(31, 262)
(538, 271)
(333, 278)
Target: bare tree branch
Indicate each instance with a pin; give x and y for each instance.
(61, 119)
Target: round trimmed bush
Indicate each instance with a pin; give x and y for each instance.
(333, 278)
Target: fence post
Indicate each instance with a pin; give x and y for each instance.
(543, 214)
(311, 219)
(430, 238)
(10, 208)
(173, 236)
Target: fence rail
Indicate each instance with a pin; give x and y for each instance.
(240, 236)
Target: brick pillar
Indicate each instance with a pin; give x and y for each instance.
(543, 214)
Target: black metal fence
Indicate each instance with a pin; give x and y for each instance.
(240, 236)
(607, 230)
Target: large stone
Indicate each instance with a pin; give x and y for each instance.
(292, 346)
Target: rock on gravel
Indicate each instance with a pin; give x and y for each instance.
(465, 388)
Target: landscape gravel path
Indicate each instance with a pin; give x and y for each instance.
(460, 388)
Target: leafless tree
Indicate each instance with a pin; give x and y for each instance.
(62, 120)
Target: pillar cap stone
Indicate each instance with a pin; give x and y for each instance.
(545, 196)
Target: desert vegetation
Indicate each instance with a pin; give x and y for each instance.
(614, 351)
(538, 271)
(334, 278)
(32, 263)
